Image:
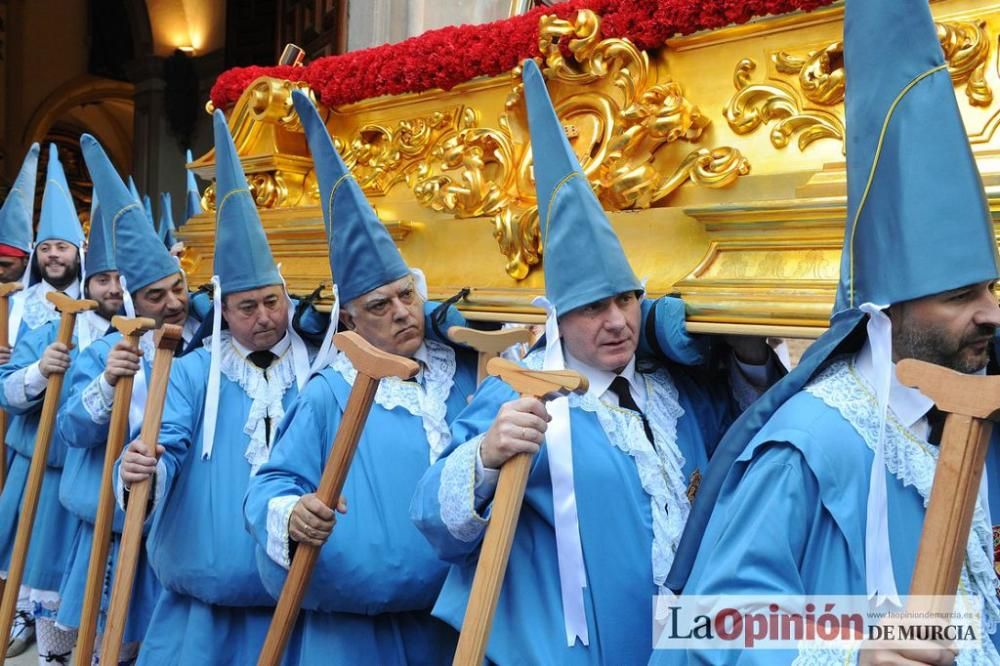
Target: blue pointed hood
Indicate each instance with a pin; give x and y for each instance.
(139, 254)
(917, 224)
(193, 201)
(58, 220)
(243, 258)
(134, 191)
(100, 246)
(147, 206)
(16, 216)
(166, 229)
(363, 256)
(584, 261)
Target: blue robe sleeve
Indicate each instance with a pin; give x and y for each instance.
(444, 506)
(76, 423)
(663, 333)
(767, 533)
(28, 350)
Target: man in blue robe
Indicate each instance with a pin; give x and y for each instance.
(608, 493)
(223, 405)
(373, 587)
(36, 356)
(814, 491)
(158, 291)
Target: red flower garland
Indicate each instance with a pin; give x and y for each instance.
(446, 57)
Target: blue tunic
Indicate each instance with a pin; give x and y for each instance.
(86, 440)
(791, 516)
(372, 590)
(631, 501)
(213, 609)
(54, 528)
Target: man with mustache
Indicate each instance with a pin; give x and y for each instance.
(36, 356)
(821, 489)
(224, 403)
(374, 584)
(609, 491)
(158, 291)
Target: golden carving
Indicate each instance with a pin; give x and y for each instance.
(819, 76)
(268, 190)
(271, 101)
(614, 117)
(967, 49)
(756, 104)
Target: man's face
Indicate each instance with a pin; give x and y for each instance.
(257, 318)
(58, 262)
(106, 289)
(390, 317)
(953, 328)
(165, 301)
(603, 334)
(12, 268)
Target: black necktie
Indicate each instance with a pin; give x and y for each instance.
(263, 360)
(936, 419)
(620, 387)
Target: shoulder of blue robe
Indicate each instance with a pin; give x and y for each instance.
(425, 507)
(376, 561)
(663, 333)
(846, 334)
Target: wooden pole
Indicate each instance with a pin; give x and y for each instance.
(167, 339)
(68, 308)
(495, 551)
(972, 403)
(489, 344)
(372, 366)
(132, 330)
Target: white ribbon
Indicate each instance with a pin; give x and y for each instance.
(328, 351)
(879, 577)
(559, 443)
(17, 302)
(300, 354)
(137, 409)
(420, 282)
(214, 373)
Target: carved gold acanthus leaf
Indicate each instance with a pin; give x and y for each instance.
(269, 190)
(818, 77)
(617, 118)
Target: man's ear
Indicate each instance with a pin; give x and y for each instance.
(347, 320)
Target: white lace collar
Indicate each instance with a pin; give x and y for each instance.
(909, 404)
(913, 461)
(39, 310)
(600, 380)
(660, 464)
(266, 392)
(427, 399)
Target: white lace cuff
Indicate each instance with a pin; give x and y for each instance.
(159, 485)
(98, 399)
(279, 511)
(14, 389)
(34, 382)
(486, 480)
(457, 495)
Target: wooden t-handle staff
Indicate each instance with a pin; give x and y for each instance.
(972, 403)
(372, 365)
(6, 289)
(167, 339)
(132, 330)
(507, 500)
(68, 308)
(489, 344)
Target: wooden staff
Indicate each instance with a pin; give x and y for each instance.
(972, 403)
(372, 365)
(489, 344)
(167, 339)
(132, 330)
(68, 308)
(507, 500)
